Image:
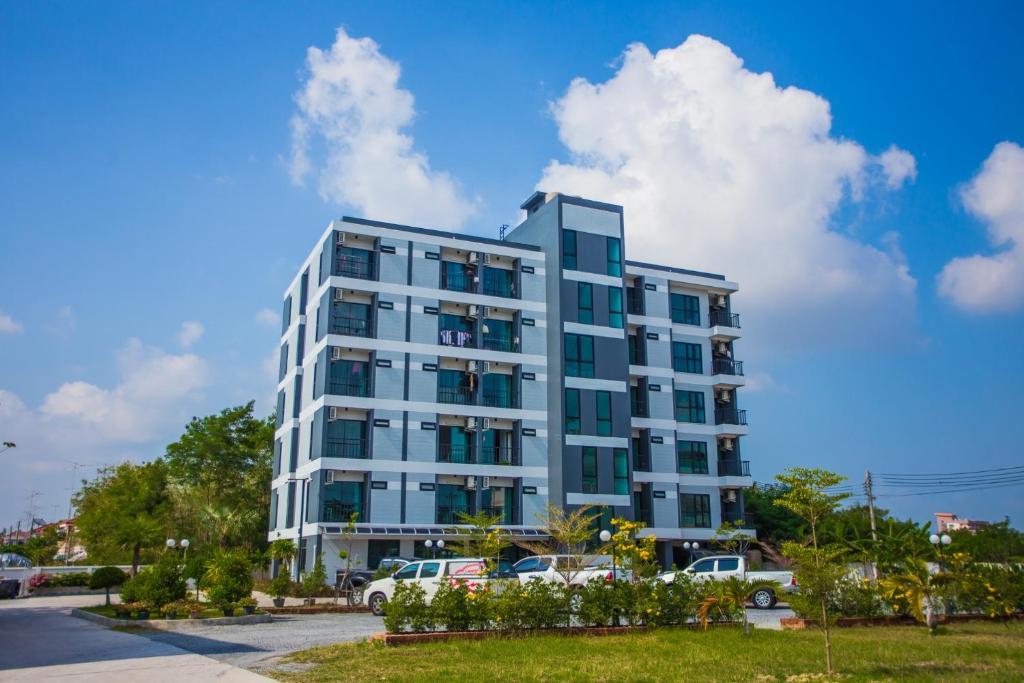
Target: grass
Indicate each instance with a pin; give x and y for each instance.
(972, 651)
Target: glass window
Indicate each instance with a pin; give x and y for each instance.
(407, 572)
(283, 366)
(453, 386)
(695, 510)
(589, 461)
(585, 300)
(350, 318)
(498, 335)
(345, 439)
(573, 423)
(689, 406)
(685, 309)
(636, 350)
(728, 564)
(457, 277)
(692, 457)
(455, 330)
(686, 357)
(704, 566)
(342, 499)
(286, 315)
(356, 263)
(499, 282)
(604, 413)
(497, 391)
(579, 355)
(615, 318)
(430, 569)
(614, 256)
(349, 378)
(569, 249)
(456, 445)
(620, 463)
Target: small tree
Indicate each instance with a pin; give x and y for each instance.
(315, 579)
(923, 590)
(637, 554)
(228, 578)
(818, 569)
(282, 550)
(107, 578)
(732, 538)
(348, 533)
(730, 596)
(483, 538)
(568, 534)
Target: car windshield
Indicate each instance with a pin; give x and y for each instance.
(407, 572)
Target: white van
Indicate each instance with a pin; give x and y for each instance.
(429, 574)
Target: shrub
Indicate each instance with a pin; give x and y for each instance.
(545, 604)
(408, 610)
(107, 578)
(450, 605)
(158, 584)
(676, 602)
(635, 602)
(857, 598)
(280, 585)
(315, 579)
(596, 603)
(39, 581)
(228, 579)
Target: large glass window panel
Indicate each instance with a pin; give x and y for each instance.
(454, 386)
(695, 510)
(573, 421)
(456, 445)
(569, 249)
(579, 355)
(452, 502)
(497, 391)
(686, 357)
(342, 499)
(345, 439)
(349, 378)
(685, 309)
(585, 302)
(498, 335)
(615, 317)
(589, 463)
(350, 318)
(620, 465)
(353, 262)
(689, 406)
(692, 457)
(499, 282)
(614, 256)
(457, 277)
(604, 413)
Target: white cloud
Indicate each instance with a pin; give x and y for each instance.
(351, 102)
(267, 317)
(9, 325)
(898, 167)
(995, 196)
(720, 169)
(191, 332)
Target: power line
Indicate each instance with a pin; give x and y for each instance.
(944, 474)
(949, 490)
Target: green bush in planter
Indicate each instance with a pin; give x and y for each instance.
(107, 578)
(596, 603)
(676, 602)
(228, 579)
(281, 585)
(546, 604)
(407, 610)
(511, 611)
(158, 584)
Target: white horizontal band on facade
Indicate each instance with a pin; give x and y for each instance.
(597, 441)
(289, 377)
(594, 330)
(684, 279)
(593, 278)
(396, 346)
(652, 477)
(597, 384)
(365, 403)
(598, 499)
(454, 242)
(651, 371)
(421, 467)
(435, 294)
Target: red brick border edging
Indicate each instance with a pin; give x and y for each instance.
(326, 608)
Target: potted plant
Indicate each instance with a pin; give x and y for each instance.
(142, 610)
(314, 581)
(228, 579)
(170, 610)
(123, 610)
(280, 586)
(228, 608)
(248, 605)
(194, 608)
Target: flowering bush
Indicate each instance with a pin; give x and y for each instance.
(39, 581)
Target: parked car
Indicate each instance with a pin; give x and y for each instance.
(723, 566)
(429, 574)
(553, 568)
(393, 563)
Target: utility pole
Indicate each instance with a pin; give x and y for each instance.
(871, 516)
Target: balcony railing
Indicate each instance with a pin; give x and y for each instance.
(638, 407)
(349, 266)
(498, 399)
(728, 366)
(345, 448)
(642, 462)
(348, 388)
(499, 285)
(458, 282)
(500, 343)
(340, 512)
(732, 516)
(730, 416)
(723, 318)
(497, 455)
(635, 301)
(734, 468)
(459, 395)
(458, 453)
(504, 516)
(353, 327)
(452, 514)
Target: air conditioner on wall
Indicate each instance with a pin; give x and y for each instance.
(339, 294)
(473, 257)
(335, 353)
(472, 311)
(723, 348)
(727, 444)
(724, 396)
(720, 300)
(328, 476)
(470, 483)
(470, 424)
(341, 237)
(471, 366)
(334, 413)
(729, 495)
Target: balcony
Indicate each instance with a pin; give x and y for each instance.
(730, 416)
(734, 468)
(638, 404)
(503, 514)
(337, 512)
(463, 396)
(499, 282)
(727, 366)
(353, 327)
(457, 453)
(458, 282)
(635, 301)
(731, 515)
(356, 266)
(498, 399)
(452, 514)
(340, 387)
(494, 342)
(723, 318)
(497, 455)
(345, 448)
(460, 338)
(641, 462)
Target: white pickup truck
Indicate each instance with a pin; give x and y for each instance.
(724, 566)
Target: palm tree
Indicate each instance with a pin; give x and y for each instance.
(730, 595)
(920, 587)
(225, 521)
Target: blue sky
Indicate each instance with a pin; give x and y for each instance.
(146, 182)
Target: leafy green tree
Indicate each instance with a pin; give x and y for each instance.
(997, 542)
(775, 524)
(819, 569)
(315, 579)
(568, 533)
(482, 538)
(41, 548)
(228, 578)
(125, 509)
(107, 578)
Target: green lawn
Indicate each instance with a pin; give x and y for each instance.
(973, 651)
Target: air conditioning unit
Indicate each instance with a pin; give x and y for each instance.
(724, 396)
(471, 366)
(334, 413)
(472, 311)
(470, 483)
(470, 424)
(486, 366)
(487, 259)
(723, 348)
(729, 496)
(335, 353)
(341, 237)
(484, 328)
(485, 483)
(720, 300)
(339, 294)
(473, 257)
(486, 423)
(328, 476)
(489, 311)
(727, 444)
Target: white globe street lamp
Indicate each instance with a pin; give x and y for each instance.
(171, 542)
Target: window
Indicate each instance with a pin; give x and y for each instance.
(499, 282)
(589, 462)
(685, 309)
(585, 301)
(689, 406)
(704, 566)
(636, 350)
(454, 386)
(283, 367)
(349, 378)
(342, 499)
(345, 439)
(573, 422)
(696, 510)
(579, 355)
(604, 413)
(455, 330)
(615, 307)
(286, 315)
(614, 256)
(498, 335)
(457, 277)
(351, 319)
(356, 263)
(638, 401)
(569, 249)
(497, 391)
(280, 408)
(692, 457)
(456, 445)
(728, 564)
(407, 572)
(620, 463)
(430, 570)
(686, 357)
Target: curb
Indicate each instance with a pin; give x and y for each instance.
(172, 624)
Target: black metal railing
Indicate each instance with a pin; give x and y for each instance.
(497, 455)
(452, 514)
(345, 448)
(350, 266)
(353, 327)
(458, 282)
(730, 416)
(734, 468)
(498, 399)
(638, 406)
(727, 366)
(340, 512)
(348, 388)
(458, 453)
(495, 285)
(723, 318)
(459, 395)
(495, 342)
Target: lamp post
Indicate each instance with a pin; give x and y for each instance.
(434, 546)
(605, 537)
(302, 519)
(690, 548)
(183, 544)
(941, 542)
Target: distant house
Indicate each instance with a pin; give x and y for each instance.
(947, 521)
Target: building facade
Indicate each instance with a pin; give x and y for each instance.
(947, 521)
(426, 374)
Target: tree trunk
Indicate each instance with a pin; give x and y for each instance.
(828, 644)
(108, 596)
(136, 555)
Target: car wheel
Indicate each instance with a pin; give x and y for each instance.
(355, 597)
(574, 602)
(376, 603)
(763, 599)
